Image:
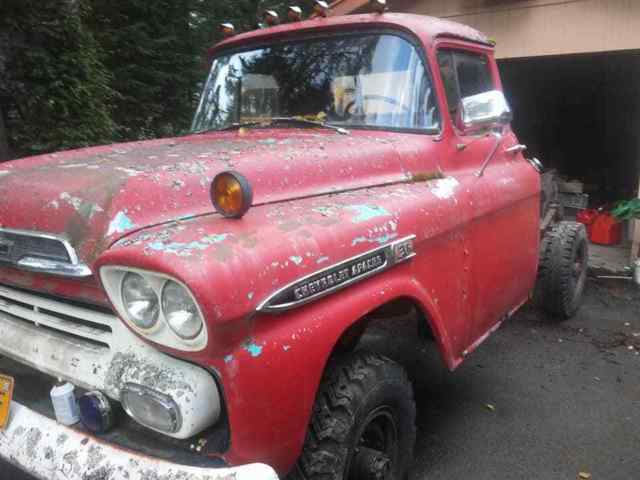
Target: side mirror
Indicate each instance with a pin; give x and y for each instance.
(483, 111)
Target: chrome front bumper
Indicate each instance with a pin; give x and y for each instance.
(50, 451)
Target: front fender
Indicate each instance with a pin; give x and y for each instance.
(270, 366)
(271, 380)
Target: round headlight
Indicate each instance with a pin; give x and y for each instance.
(231, 194)
(140, 300)
(180, 311)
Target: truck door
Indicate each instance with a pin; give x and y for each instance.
(503, 231)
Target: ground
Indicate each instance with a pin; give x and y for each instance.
(541, 399)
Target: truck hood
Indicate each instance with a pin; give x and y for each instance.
(95, 196)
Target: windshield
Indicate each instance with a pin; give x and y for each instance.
(372, 80)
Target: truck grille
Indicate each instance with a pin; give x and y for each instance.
(78, 322)
(16, 244)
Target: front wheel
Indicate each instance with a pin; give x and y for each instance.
(363, 422)
(562, 274)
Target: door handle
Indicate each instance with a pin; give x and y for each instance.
(515, 149)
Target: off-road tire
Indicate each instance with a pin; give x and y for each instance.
(353, 387)
(562, 274)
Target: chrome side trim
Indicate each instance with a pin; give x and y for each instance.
(74, 268)
(383, 259)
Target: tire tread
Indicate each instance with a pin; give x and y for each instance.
(345, 382)
(554, 291)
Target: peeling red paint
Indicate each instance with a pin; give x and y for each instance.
(319, 198)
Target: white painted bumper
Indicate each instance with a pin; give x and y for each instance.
(50, 451)
(45, 335)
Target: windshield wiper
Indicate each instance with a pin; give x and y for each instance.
(274, 120)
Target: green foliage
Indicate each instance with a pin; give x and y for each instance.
(58, 90)
(627, 209)
(156, 51)
(82, 72)
(151, 52)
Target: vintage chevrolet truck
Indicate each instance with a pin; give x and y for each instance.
(214, 287)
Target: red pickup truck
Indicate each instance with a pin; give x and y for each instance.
(215, 286)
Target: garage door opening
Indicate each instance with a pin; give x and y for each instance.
(580, 115)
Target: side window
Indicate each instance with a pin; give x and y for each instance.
(463, 74)
(474, 75)
(448, 74)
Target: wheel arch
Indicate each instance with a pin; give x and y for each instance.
(428, 321)
(299, 345)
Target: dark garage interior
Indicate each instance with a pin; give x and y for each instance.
(580, 114)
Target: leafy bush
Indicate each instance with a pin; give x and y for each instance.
(57, 91)
(84, 72)
(627, 210)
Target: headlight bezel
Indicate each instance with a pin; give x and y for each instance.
(160, 333)
(165, 401)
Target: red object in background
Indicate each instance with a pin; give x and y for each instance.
(587, 217)
(605, 230)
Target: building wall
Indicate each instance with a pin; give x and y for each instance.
(526, 28)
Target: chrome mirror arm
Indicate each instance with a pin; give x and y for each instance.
(499, 137)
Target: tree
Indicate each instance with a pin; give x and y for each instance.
(5, 152)
(55, 87)
(156, 52)
(82, 72)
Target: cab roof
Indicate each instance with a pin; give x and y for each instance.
(427, 28)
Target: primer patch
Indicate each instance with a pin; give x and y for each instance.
(367, 212)
(120, 224)
(444, 188)
(186, 249)
(254, 349)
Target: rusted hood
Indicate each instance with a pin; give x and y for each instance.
(98, 195)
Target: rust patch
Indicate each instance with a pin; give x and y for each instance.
(426, 176)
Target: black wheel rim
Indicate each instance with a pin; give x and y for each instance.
(378, 432)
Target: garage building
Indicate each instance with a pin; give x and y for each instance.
(571, 71)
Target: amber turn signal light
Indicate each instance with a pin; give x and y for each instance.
(231, 194)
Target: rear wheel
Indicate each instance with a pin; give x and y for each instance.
(563, 267)
(363, 423)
